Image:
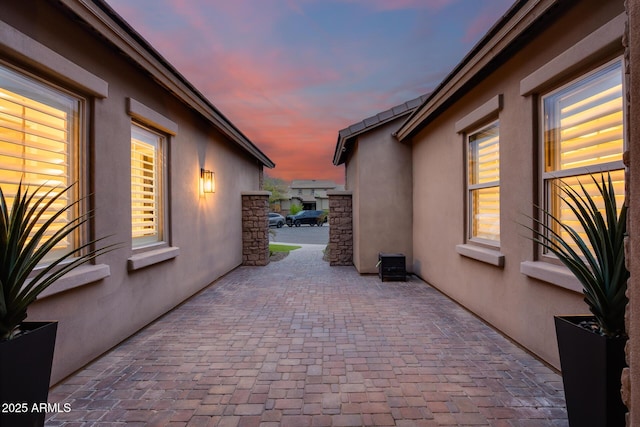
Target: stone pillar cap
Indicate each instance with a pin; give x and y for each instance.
(339, 193)
(256, 193)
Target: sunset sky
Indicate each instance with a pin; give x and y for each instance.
(291, 73)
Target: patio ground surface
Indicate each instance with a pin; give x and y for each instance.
(299, 343)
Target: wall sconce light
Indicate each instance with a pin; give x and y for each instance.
(207, 181)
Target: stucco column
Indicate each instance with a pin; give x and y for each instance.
(255, 227)
(341, 228)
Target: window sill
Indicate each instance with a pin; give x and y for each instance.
(555, 274)
(489, 256)
(79, 277)
(146, 259)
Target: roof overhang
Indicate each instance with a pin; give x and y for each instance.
(508, 31)
(98, 15)
(347, 136)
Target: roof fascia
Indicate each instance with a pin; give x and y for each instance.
(507, 30)
(106, 22)
(341, 144)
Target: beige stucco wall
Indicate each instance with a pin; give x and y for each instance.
(379, 174)
(521, 307)
(206, 229)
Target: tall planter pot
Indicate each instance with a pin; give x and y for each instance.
(25, 373)
(591, 368)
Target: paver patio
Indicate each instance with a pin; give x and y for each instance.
(299, 343)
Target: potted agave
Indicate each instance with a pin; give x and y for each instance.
(591, 347)
(27, 235)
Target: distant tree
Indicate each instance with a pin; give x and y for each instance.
(276, 186)
(295, 208)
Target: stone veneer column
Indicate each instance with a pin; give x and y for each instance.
(341, 228)
(255, 227)
(631, 375)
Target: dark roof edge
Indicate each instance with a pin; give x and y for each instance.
(352, 131)
(108, 23)
(517, 19)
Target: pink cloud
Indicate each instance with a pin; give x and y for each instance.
(289, 102)
(484, 20)
(404, 4)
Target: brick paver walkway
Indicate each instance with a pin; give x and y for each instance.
(298, 343)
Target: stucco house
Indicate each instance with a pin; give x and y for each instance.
(309, 194)
(84, 98)
(378, 173)
(540, 97)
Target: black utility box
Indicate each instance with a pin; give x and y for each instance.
(392, 267)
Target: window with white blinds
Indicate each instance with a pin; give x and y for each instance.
(583, 135)
(39, 131)
(146, 186)
(484, 184)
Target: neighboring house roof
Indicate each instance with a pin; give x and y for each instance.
(313, 183)
(320, 193)
(514, 28)
(98, 15)
(347, 135)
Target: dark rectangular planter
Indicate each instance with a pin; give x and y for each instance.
(25, 373)
(591, 368)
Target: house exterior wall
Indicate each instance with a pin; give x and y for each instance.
(205, 237)
(304, 192)
(518, 305)
(382, 201)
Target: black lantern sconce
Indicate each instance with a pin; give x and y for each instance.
(207, 181)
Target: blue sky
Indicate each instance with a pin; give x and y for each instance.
(291, 73)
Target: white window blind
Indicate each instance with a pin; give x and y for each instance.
(145, 186)
(39, 128)
(484, 183)
(584, 134)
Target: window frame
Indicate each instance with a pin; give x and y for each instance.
(77, 155)
(471, 188)
(545, 178)
(484, 114)
(161, 205)
(148, 255)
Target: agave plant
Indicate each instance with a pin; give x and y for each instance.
(598, 262)
(23, 246)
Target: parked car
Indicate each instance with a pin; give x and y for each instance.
(276, 219)
(307, 217)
